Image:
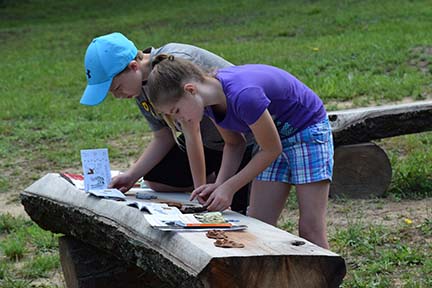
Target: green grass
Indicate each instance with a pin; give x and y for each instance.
(25, 245)
(13, 247)
(15, 283)
(377, 255)
(8, 223)
(410, 156)
(352, 53)
(41, 266)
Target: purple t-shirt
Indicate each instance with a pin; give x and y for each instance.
(252, 88)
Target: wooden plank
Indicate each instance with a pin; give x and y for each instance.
(182, 259)
(365, 124)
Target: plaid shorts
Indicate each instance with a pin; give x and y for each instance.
(307, 157)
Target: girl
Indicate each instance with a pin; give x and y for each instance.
(287, 119)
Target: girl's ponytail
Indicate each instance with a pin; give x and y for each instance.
(161, 57)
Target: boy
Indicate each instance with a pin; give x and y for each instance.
(113, 64)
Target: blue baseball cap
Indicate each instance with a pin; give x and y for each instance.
(106, 56)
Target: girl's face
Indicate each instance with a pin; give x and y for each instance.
(189, 108)
(127, 84)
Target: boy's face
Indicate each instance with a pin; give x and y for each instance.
(127, 84)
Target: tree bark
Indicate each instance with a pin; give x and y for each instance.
(365, 124)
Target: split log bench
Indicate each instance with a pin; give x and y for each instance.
(362, 169)
(108, 244)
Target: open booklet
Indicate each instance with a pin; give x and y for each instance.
(167, 218)
(108, 193)
(154, 208)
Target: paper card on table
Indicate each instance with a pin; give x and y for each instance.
(96, 169)
(162, 220)
(155, 208)
(107, 193)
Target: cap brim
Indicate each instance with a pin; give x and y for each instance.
(95, 94)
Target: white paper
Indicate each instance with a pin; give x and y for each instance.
(162, 220)
(107, 193)
(155, 208)
(96, 169)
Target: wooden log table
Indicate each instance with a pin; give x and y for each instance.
(116, 247)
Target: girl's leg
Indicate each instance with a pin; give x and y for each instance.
(312, 199)
(267, 200)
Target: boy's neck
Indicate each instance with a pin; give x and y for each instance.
(145, 66)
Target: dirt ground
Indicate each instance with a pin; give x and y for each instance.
(384, 212)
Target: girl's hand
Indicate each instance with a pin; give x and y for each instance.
(202, 193)
(220, 199)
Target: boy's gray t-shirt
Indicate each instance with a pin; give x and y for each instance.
(206, 61)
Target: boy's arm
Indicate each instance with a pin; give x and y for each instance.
(160, 145)
(158, 148)
(195, 152)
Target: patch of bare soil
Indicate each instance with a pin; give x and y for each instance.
(385, 212)
(421, 58)
(55, 279)
(345, 105)
(9, 203)
(382, 211)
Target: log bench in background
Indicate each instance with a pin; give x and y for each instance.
(147, 257)
(362, 169)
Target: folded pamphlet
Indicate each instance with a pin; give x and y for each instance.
(109, 193)
(154, 208)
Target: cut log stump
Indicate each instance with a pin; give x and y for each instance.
(271, 257)
(360, 171)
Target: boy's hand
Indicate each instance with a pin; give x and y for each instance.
(122, 182)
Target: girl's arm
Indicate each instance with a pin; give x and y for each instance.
(267, 137)
(195, 152)
(234, 148)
